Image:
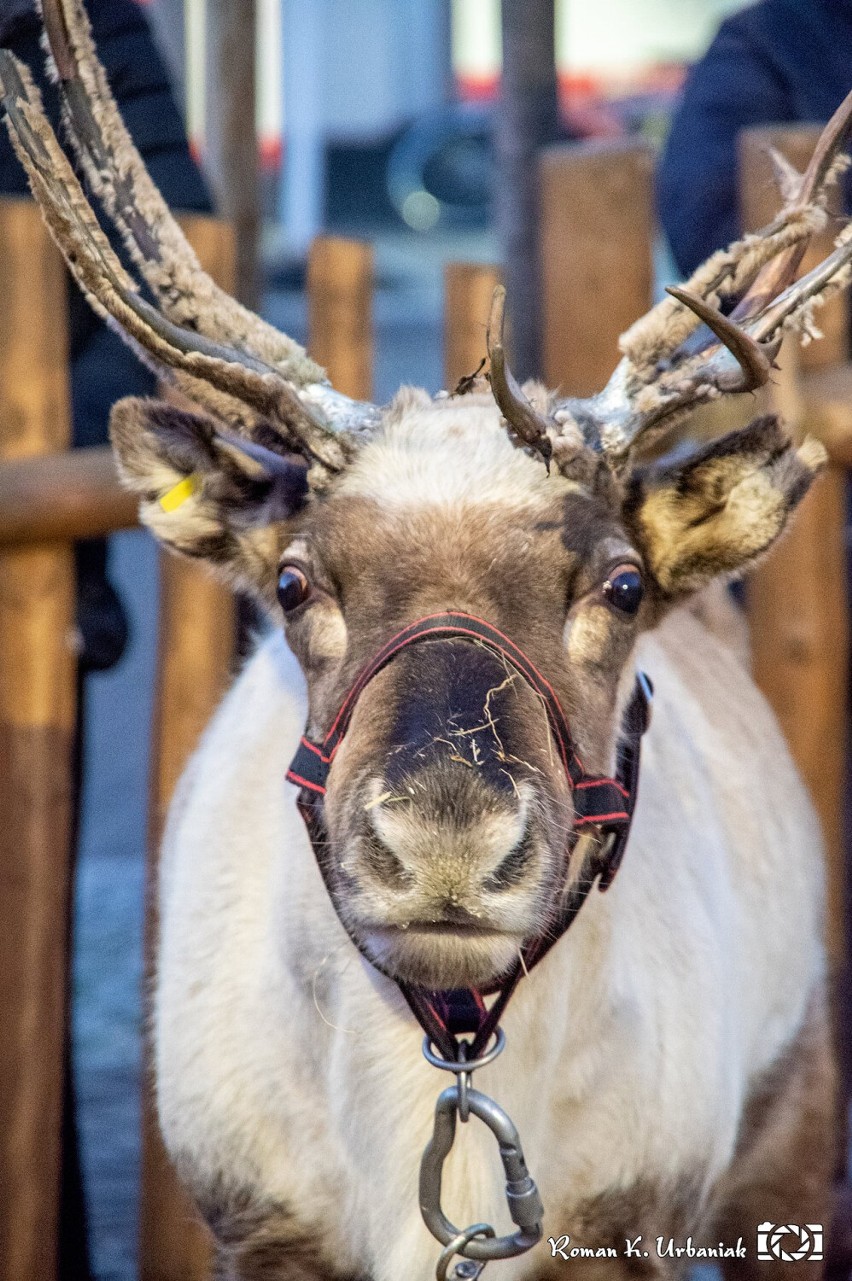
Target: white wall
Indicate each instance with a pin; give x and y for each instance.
(620, 35)
(605, 36)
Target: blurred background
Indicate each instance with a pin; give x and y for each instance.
(374, 118)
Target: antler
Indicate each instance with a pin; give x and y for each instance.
(664, 373)
(153, 237)
(526, 422)
(221, 354)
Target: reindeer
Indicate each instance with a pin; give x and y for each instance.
(669, 1061)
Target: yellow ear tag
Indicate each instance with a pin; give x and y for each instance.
(179, 493)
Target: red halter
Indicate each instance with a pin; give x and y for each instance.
(603, 803)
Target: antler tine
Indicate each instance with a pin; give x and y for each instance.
(531, 426)
(153, 237)
(793, 308)
(829, 147)
(813, 188)
(209, 368)
(755, 363)
(787, 177)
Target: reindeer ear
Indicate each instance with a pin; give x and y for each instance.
(715, 512)
(204, 491)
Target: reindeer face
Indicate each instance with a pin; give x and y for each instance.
(446, 813)
(448, 809)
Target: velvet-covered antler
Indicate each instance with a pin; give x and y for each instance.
(663, 375)
(218, 352)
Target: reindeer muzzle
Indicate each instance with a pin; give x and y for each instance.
(601, 803)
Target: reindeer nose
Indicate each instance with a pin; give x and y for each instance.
(510, 870)
(451, 841)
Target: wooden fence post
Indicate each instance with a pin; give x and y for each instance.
(597, 242)
(468, 288)
(340, 312)
(197, 636)
(799, 612)
(37, 709)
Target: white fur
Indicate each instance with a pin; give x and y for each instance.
(285, 1062)
(446, 452)
(288, 1065)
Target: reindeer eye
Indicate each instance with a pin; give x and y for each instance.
(293, 588)
(623, 589)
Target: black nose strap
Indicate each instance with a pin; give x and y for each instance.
(605, 802)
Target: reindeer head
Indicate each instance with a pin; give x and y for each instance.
(447, 808)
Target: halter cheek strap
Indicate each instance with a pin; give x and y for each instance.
(601, 803)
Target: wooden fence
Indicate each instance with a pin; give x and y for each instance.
(598, 246)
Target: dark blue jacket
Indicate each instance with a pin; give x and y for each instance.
(776, 62)
(102, 368)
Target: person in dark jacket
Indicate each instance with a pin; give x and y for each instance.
(775, 62)
(103, 369)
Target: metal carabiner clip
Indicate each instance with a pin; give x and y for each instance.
(522, 1195)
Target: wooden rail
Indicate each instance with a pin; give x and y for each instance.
(63, 497)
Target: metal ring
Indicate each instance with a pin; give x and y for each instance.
(464, 1065)
(456, 1246)
(463, 1083)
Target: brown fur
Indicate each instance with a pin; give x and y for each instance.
(390, 567)
(262, 1242)
(644, 1210)
(718, 511)
(785, 1159)
(712, 514)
